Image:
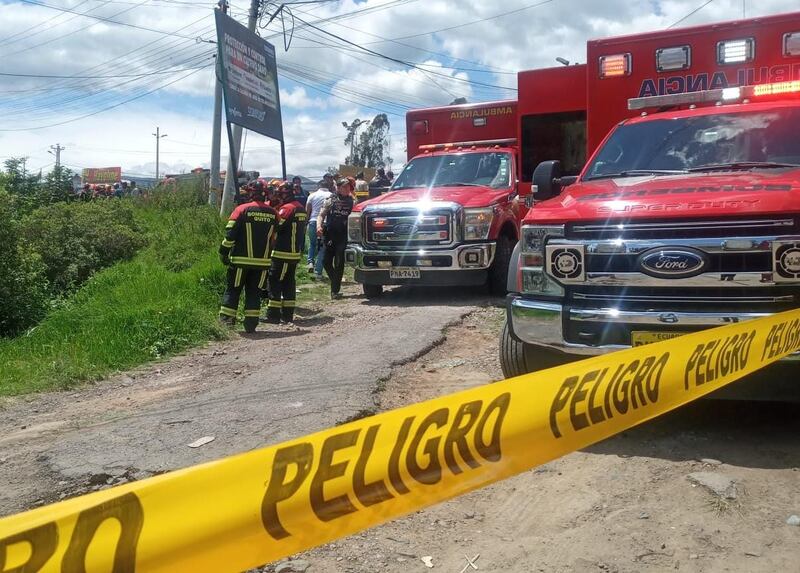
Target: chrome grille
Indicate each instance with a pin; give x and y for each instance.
(623, 229)
(406, 227)
(738, 269)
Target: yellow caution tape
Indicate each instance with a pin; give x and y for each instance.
(260, 506)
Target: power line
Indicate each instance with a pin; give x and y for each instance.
(102, 19)
(156, 72)
(6, 41)
(403, 62)
(107, 108)
(528, 7)
(692, 13)
(173, 43)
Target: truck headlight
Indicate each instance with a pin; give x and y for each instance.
(532, 277)
(354, 228)
(477, 223)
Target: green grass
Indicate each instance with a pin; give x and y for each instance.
(124, 316)
(163, 301)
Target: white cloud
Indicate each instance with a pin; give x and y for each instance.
(297, 98)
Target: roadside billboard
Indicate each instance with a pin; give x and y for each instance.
(249, 78)
(95, 175)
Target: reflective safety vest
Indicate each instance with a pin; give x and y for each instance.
(248, 235)
(291, 236)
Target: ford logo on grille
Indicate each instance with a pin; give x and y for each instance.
(403, 229)
(678, 263)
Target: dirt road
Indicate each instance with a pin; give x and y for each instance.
(628, 504)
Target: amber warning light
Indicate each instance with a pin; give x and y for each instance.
(462, 144)
(615, 66)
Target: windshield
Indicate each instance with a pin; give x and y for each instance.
(750, 139)
(479, 169)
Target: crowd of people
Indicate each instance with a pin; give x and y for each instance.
(265, 239)
(118, 190)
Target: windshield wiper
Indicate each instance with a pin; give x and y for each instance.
(458, 184)
(742, 165)
(635, 172)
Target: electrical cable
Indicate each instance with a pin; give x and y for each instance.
(5, 41)
(105, 109)
(405, 63)
(692, 13)
(101, 18)
(528, 7)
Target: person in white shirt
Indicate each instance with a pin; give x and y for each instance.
(362, 187)
(316, 251)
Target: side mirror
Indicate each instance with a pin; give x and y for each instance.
(547, 179)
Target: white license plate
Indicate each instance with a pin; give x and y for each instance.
(404, 273)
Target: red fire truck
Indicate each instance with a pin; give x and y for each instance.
(451, 217)
(687, 214)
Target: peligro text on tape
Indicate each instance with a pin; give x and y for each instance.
(259, 506)
(473, 431)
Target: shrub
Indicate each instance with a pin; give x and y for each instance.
(75, 240)
(23, 285)
(180, 227)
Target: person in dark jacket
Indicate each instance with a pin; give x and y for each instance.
(300, 195)
(379, 184)
(289, 242)
(332, 227)
(246, 251)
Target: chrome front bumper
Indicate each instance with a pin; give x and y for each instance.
(469, 257)
(541, 323)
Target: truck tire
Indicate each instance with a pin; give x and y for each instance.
(372, 291)
(498, 273)
(518, 358)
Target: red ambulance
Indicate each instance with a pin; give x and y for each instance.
(686, 215)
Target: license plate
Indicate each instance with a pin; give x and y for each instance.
(641, 338)
(404, 273)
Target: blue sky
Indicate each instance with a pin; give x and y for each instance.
(122, 50)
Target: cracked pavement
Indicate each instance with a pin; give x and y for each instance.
(247, 392)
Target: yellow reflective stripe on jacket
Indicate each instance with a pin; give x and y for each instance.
(252, 313)
(230, 224)
(227, 311)
(249, 229)
(228, 244)
(269, 242)
(294, 237)
(263, 279)
(250, 261)
(275, 304)
(286, 256)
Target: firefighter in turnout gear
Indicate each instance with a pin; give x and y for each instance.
(289, 243)
(246, 252)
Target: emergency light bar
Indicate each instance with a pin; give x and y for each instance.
(457, 144)
(715, 96)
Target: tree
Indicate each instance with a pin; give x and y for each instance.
(373, 146)
(32, 191)
(57, 186)
(19, 183)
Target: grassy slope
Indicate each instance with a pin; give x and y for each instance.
(163, 301)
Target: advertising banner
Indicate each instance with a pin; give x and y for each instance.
(107, 175)
(249, 78)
